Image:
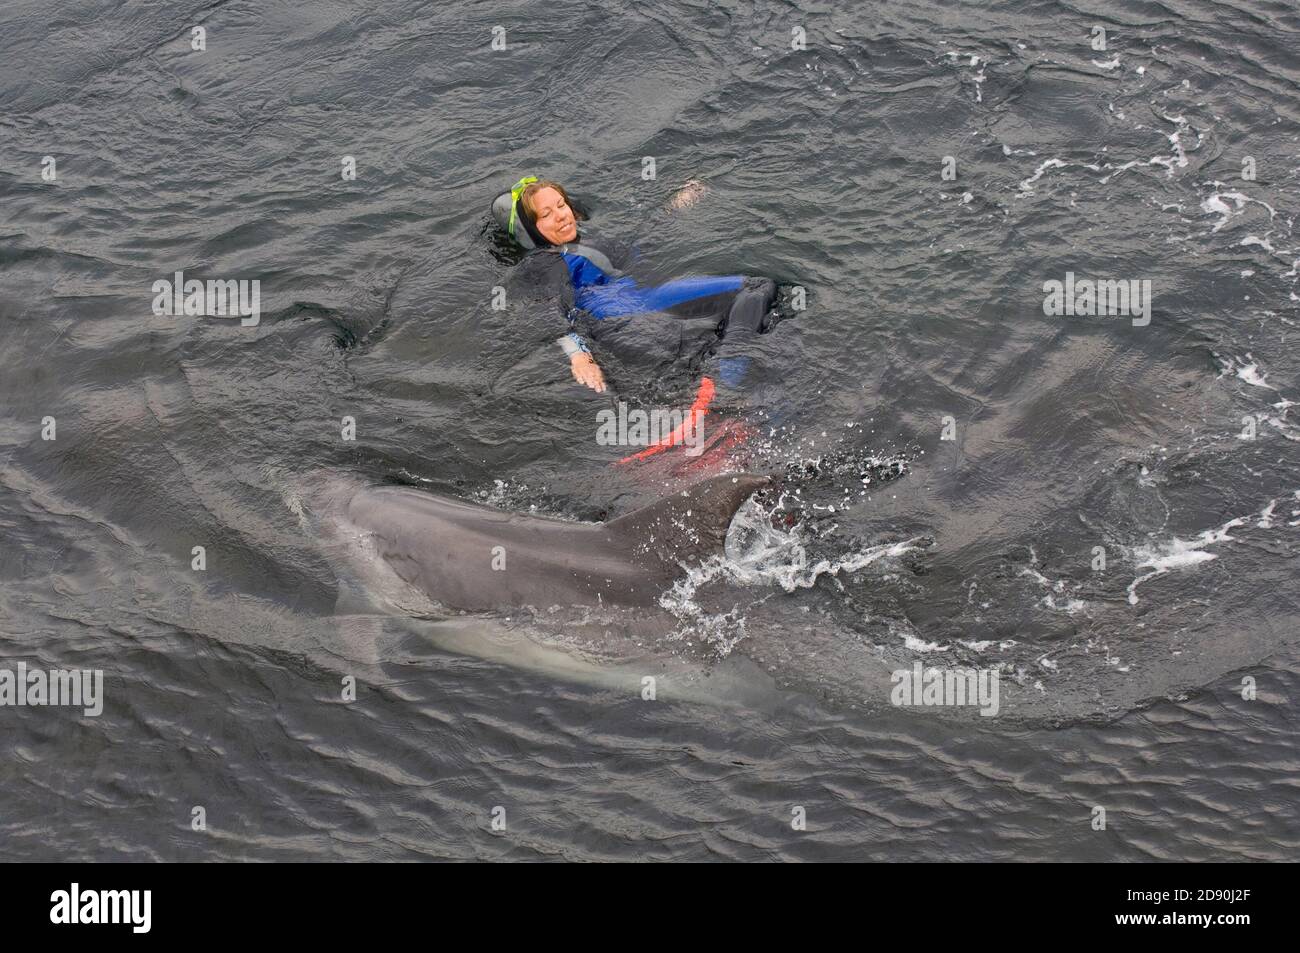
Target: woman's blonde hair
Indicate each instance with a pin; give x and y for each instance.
(526, 197)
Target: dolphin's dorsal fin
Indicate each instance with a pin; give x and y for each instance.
(690, 525)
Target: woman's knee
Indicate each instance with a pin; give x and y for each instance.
(753, 303)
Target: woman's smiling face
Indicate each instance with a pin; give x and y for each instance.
(555, 219)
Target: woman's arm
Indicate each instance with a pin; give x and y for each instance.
(543, 276)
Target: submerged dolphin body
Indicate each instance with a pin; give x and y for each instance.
(476, 558)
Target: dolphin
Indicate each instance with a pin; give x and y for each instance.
(475, 558)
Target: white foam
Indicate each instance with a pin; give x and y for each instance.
(1027, 184)
(1043, 580)
(1067, 605)
(1177, 554)
(1215, 205)
(1284, 428)
(1250, 373)
(1175, 138)
(1116, 170)
(757, 555)
(917, 645)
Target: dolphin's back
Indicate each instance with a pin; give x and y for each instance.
(476, 558)
(473, 557)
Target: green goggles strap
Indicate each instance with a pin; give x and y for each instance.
(515, 191)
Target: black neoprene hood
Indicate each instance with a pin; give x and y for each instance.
(531, 227)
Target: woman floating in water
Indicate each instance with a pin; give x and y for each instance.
(589, 275)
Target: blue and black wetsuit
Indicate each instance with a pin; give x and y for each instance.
(590, 280)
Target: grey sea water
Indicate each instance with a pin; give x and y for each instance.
(1113, 526)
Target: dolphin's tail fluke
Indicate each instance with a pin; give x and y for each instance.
(691, 525)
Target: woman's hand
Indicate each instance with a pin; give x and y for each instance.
(587, 371)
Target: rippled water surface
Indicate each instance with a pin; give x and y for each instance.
(1113, 527)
